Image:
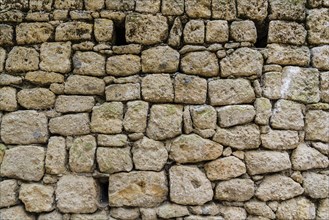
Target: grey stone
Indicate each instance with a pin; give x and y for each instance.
(8, 192)
(316, 185)
(297, 208)
(113, 160)
(89, 63)
(123, 92)
(286, 32)
(288, 55)
(237, 190)
(190, 89)
(217, 31)
(223, 9)
(70, 124)
(84, 85)
(243, 31)
(317, 125)
(280, 139)
(22, 59)
(203, 63)
(56, 156)
(287, 10)
(16, 213)
(235, 115)
(8, 100)
(135, 119)
(118, 140)
(316, 23)
(158, 88)
(53, 54)
(74, 103)
(73, 31)
(36, 98)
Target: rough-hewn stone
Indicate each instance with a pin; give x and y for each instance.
(287, 10)
(190, 89)
(224, 9)
(56, 156)
(158, 88)
(259, 209)
(316, 185)
(37, 197)
(243, 31)
(22, 59)
(297, 208)
(280, 139)
(113, 160)
(89, 63)
(70, 124)
(237, 190)
(136, 116)
(286, 33)
(123, 65)
(103, 30)
(51, 54)
(8, 192)
(217, 31)
(123, 92)
(32, 33)
(37, 98)
(8, 100)
(84, 85)
(316, 23)
(201, 63)
(15, 213)
(44, 78)
(6, 34)
(172, 7)
(75, 30)
(254, 9)
(194, 32)
(232, 115)
(74, 103)
(288, 55)
(305, 158)
(317, 125)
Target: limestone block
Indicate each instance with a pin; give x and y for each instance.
(232, 115)
(203, 116)
(117, 140)
(53, 54)
(94, 5)
(8, 100)
(316, 185)
(299, 208)
(259, 209)
(157, 88)
(2, 59)
(305, 158)
(8, 192)
(324, 86)
(33, 33)
(44, 78)
(22, 59)
(37, 197)
(316, 22)
(320, 57)
(254, 9)
(317, 125)
(287, 10)
(6, 34)
(74, 30)
(286, 33)
(123, 65)
(172, 7)
(56, 156)
(68, 4)
(113, 160)
(190, 89)
(232, 212)
(135, 119)
(125, 213)
(272, 82)
(104, 30)
(198, 8)
(148, 6)
(288, 55)
(40, 5)
(89, 63)
(194, 32)
(202, 63)
(224, 9)
(217, 31)
(237, 190)
(74, 103)
(322, 212)
(280, 139)
(243, 31)
(172, 210)
(120, 5)
(15, 213)
(123, 92)
(37, 98)
(84, 85)
(70, 124)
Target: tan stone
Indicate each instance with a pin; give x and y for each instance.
(24, 127)
(172, 210)
(89, 63)
(8, 99)
(238, 190)
(190, 89)
(73, 199)
(68, 4)
(194, 32)
(286, 33)
(70, 124)
(287, 10)
(320, 57)
(56, 57)
(252, 9)
(316, 22)
(297, 208)
(125, 213)
(243, 31)
(113, 160)
(189, 186)
(317, 125)
(54, 215)
(33, 33)
(202, 63)
(15, 213)
(176, 31)
(118, 140)
(120, 5)
(259, 209)
(75, 30)
(288, 55)
(22, 59)
(2, 58)
(235, 115)
(165, 121)
(11, 16)
(172, 7)
(6, 34)
(203, 116)
(104, 30)
(217, 31)
(74, 103)
(136, 116)
(263, 109)
(37, 98)
(322, 211)
(127, 49)
(123, 92)
(198, 9)
(232, 213)
(148, 6)
(323, 148)
(280, 139)
(137, 188)
(56, 156)
(37, 197)
(100, 215)
(224, 9)
(193, 148)
(158, 88)
(272, 85)
(40, 5)
(8, 192)
(85, 85)
(24, 162)
(6, 79)
(44, 78)
(278, 187)
(324, 86)
(94, 5)
(316, 185)
(123, 65)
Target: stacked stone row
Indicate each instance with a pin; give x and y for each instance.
(186, 119)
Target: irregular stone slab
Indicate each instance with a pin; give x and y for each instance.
(8, 100)
(287, 10)
(165, 121)
(230, 91)
(254, 9)
(158, 88)
(202, 63)
(217, 31)
(323, 148)
(316, 22)
(15, 213)
(288, 55)
(272, 82)
(225, 168)
(37, 197)
(22, 59)
(40, 5)
(24, 127)
(172, 210)
(239, 137)
(288, 115)
(124, 213)
(189, 186)
(194, 32)
(118, 140)
(135, 119)
(198, 9)
(316, 185)
(259, 209)
(263, 108)
(286, 32)
(33, 33)
(320, 57)
(259, 162)
(8, 192)
(36, 98)
(193, 148)
(107, 118)
(150, 6)
(89, 63)
(243, 31)
(278, 187)
(24, 162)
(68, 4)
(305, 158)
(161, 59)
(280, 139)
(149, 154)
(317, 125)
(203, 116)
(119, 5)
(113, 160)
(231, 213)
(123, 65)
(84, 85)
(172, 7)
(176, 32)
(237, 190)
(74, 103)
(138, 24)
(53, 54)
(298, 208)
(123, 92)
(235, 115)
(56, 156)
(322, 211)
(71, 124)
(103, 30)
(224, 9)
(2, 56)
(73, 199)
(137, 188)
(44, 78)
(75, 30)
(6, 79)
(190, 89)
(6, 34)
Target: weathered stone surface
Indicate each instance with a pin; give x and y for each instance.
(94, 5)
(73, 199)
(40, 5)
(243, 31)
(137, 24)
(237, 190)
(305, 158)
(8, 192)
(259, 162)
(272, 82)
(194, 32)
(190, 89)
(165, 121)
(22, 59)
(239, 137)
(231, 213)
(37, 197)
(278, 187)
(8, 100)
(71, 124)
(203, 116)
(263, 108)
(107, 118)
(316, 185)
(118, 140)
(148, 6)
(11, 16)
(104, 30)
(288, 55)
(123, 65)
(68, 4)
(202, 63)
(193, 148)
(37, 98)
(44, 78)
(6, 79)
(287, 10)
(224, 9)
(298, 208)
(56, 156)
(235, 115)
(100, 215)
(316, 22)
(198, 9)
(74, 103)
(84, 85)
(324, 76)
(320, 57)
(124, 213)
(210, 208)
(161, 59)
(120, 5)
(123, 92)
(24, 162)
(323, 148)
(75, 30)
(259, 209)
(89, 63)
(158, 88)
(113, 160)
(254, 9)
(280, 139)
(225, 168)
(286, 33)
(172, 210)
(6, 34)
(288, 115)
(136, 116)
(2, 58)
(317, 125)
(137, 188)
(32, 33)
(322, 212)
(217, 31)
(24, 127)
(149, 154)
(53, 54)
(15, 213)
(172, 7)
(230, 91)
(189, 186)
(175, 34)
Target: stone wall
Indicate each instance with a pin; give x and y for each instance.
(164, 109)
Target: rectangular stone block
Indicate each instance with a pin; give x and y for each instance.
(74, 103)
(33, 33)
(123, 92)
(71, 124)
(56, 155)
(75, 30)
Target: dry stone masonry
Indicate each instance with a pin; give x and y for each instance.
(164, 109)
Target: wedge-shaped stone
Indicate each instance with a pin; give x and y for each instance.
(113, 160)
(193, 148)
(316, 22)
(278, 187)
(202, 63)
(56, 57)
(280, 139)
(235, 190)
(33, 33)
(84, 85)
(225, 168)
(123, 65)
(286, 33)
(89, 63)
(190, 89)
(288, 55)
(74, 103)
(36, 98)
(135, 119)
(137, 188)
(287, 10)
(189, 186)
(24, 162)
(22, 59)
(259, 162)
(235, 115)
(24, 127)
(75, 30)
(239, 137)
(316, 185)
(317, 125)
(56, 156)
(297, 208)
(71, 124)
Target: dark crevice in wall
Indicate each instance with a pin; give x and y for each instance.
(103, 190)
(120, 34)
(262, 33)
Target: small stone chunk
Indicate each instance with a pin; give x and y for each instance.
(75, 31)
(123, 92)
(305, 158)
(6, 34)
(204, 116)
(320, 57)
(217, 31)
(94, 5)
(136, 116)
(288, 55)
(232, 115)
(104, 30)
(37, 98)
(56, 57)
(263, 109)
(15, 213)
(113, 160)
(172, 7)
(24, 162)
(8, 100)
(233, 213)
(120, 5)
(71, 124)
(190, 89)
(22, 59)
(194, 32)
(235, 190)
(317, 125)
(252, 9)
(65, 104)
(33, 33)
(243, 31)
(84, 85)
(286, 33)
(172, 210)
(158, 88)
(202, 63)
(68, 4)
(272, 85)
(125, 213)
(123, 65)
(44, 78)
(89, 63)
(297, 208)
(316, 23)
(8, 192)
(198, 8)
(148, 6)
(280, 139)
(56, 156)
(316, 185)
(259, 209)
(189, 186)
(287, 10)
(176, 32)
(73, 199)
(322, 211)
(118, 140)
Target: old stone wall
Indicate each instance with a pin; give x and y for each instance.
(164, 109)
